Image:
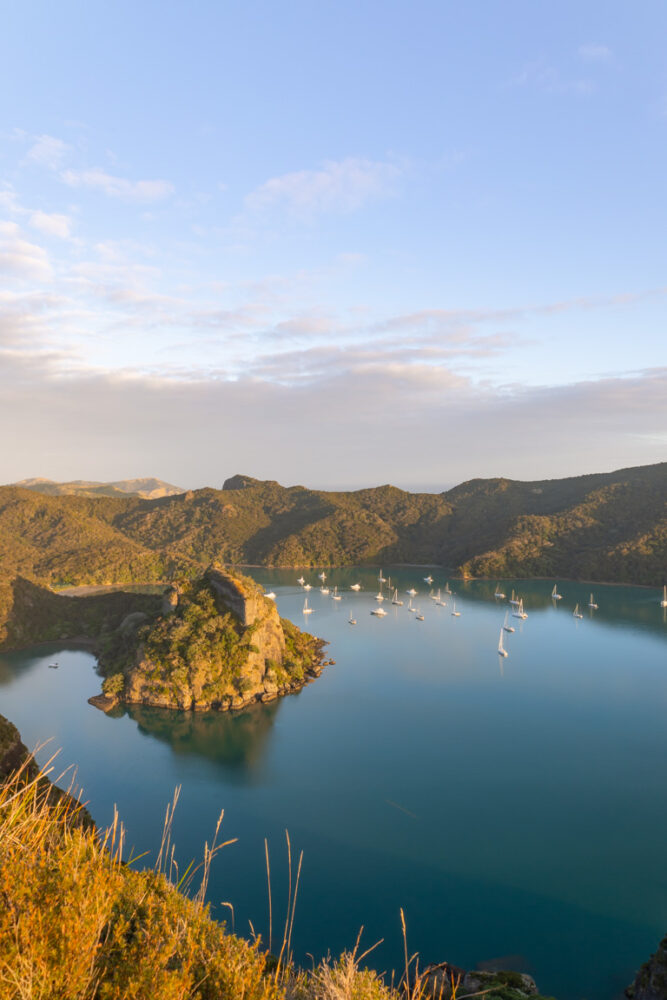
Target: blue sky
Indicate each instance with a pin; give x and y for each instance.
(332, 243)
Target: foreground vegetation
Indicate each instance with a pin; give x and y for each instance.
(78, 923)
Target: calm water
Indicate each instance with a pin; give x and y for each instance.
(514, 809)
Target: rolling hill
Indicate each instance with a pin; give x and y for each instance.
(610, 526)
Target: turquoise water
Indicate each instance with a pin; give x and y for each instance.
(514, 809)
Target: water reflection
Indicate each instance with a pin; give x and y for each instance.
(238, 741)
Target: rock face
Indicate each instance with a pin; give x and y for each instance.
(12, 751)
(218, 644)
(14, 755)
(651, 980)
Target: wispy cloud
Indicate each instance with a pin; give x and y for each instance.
(338, 186)
(19, 257)
(97, 179)
(47, 151)
(541, 75)
(594, 52)
(53, 224)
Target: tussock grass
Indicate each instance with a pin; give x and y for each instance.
(78, 923)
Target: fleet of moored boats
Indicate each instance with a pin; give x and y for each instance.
(515, 602)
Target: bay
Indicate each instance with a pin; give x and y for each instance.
(515, 809)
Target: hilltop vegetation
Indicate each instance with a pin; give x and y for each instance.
(217, 643)
(609, 527)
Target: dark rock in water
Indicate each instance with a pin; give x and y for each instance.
(103, 701)
(444, 980)
(651, 980)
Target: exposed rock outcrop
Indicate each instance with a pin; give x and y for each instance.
(218, 644)
(651, 980)
(14, 756)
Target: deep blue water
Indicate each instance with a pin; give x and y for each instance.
(513, 808)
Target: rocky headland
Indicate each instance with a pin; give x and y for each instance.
(216, 644)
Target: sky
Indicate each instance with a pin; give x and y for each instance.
(332, 243)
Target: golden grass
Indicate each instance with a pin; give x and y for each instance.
(77, 923)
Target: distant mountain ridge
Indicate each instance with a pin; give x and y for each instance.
(608, 527)
(148, 488)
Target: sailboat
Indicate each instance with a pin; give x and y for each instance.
(447, 590)
(419, 617)
(591, 602)
(410, 608)
(306, 609)
(355, 586)
(324, 590)
(271, 595)
(335, 596)
(498, 592)
(322, 576)
(412, 592)
(519, 613)
(307, 586)
(381, 578)
(380, 612)
(501, 649)
(379, 596)
(508, 628)
(555, 596)
(436, 597)
(395, 599)
(576, 613)
(352, 620)
(428, 579)
(456, 614)
(663, 602)
(513, 599)
(301, 581)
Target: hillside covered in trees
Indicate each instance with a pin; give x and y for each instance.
(607, 527)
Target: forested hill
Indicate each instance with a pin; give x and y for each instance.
(600, 527)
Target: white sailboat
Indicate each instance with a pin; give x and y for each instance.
(591, 603)
(412, 592)
(380, 612)
(514, 599)
(352, 621)
(395, 599)
(322, 576)
(410, 608)
(555, 596)
(455, 613)
(306, 609)
(271, 595)
(307, 586)
(335, 596)
(379, 596)
(355, 586)
(501, 649)
(436, 597)
(381, 578)
(663, 602)
(447, 590)
(506, 627)
(324, 590)
(577, 613)
(428, 579)
(519, 613)
(498, 592)
(419, 617)
(301, 581)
